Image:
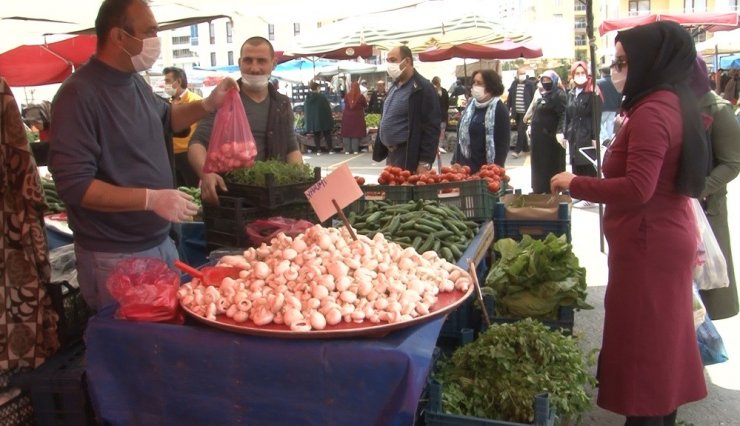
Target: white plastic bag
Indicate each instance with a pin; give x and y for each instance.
(710, 271)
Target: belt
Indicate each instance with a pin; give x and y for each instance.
(394, 148)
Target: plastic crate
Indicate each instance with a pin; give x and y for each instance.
(462, 324)
(395, 194)
(470, 196)
(225, 224)
(73, 312)
(272, 196)
(434, 416)
(538, 229)
(564, 323)
(58, 389)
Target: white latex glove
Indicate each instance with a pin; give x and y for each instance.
(217, 96)
(171, 204)
(529, 131)
(561, 140)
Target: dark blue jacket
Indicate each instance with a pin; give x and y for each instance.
(424, 126)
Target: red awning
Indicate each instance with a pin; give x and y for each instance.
(35, 65)
(342, 53)
(712, 22)
(505, 50)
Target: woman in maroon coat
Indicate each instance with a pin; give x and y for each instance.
(649, 362)
(353, 119)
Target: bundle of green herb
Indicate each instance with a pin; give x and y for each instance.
(498, 375)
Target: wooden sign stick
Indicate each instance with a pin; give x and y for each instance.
(344, 219)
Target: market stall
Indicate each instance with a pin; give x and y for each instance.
(198, 375)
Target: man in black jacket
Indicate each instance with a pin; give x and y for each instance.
(521, 93)
(408, 135)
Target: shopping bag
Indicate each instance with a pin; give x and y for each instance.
(264, 230)
(710, 271)
(231, 145)
(146, 290)
(711, 347)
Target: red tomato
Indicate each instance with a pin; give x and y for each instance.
(466, 169)
(405, 174)
(446, 169)
(494, 186)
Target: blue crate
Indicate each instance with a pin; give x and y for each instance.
(538, 229)
(58, 389)
(564, 323)
(434, 416)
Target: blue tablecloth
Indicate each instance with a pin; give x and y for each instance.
(146, 373)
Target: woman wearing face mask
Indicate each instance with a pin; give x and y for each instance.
(548, 124)
(483, 133)
(649, 363)
(579, 122)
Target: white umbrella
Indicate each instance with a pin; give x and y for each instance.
(422, 27)
(346, 67)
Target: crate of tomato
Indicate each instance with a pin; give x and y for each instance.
(475, 194)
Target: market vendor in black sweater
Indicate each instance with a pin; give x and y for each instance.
(110, 158)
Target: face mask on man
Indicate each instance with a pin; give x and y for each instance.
(255, 81)
(169, 90)
(394, 70)
(150, 50)
(479, 93)
(619, 78)
(580, 79)
(547, 86)
(521, 77)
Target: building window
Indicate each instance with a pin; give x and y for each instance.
(181, 40)
(580, 22)
(213, 59)
(579, 5)
(318, 25)
(271, 31)
(212, 32)
(296, 29)
(694, 6)
(194, 35)
(639, 7)
(229, 32)
(231, 57)
(580, 40)
(182, 53)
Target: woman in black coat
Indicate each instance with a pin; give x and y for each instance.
(548, 125)
(579, 119)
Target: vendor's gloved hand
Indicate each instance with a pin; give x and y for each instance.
(217, 96)
(561, 140)
(529, 131)
(209, 183)
(171, 204)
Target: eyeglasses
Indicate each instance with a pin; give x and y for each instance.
(618, 64)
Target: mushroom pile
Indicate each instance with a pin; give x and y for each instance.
(321, 278)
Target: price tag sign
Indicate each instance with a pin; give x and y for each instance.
(338, 187)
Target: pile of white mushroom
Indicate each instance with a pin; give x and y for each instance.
(323, 277)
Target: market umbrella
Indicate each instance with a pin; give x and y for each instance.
(505, 50)
(730, 62)
(36, 65)
(711, 22)
(421, 27)
(346, 67)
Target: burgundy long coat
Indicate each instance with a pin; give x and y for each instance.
(353, 118)
(649, 362)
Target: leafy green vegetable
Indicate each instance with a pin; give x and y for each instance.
(498, 375)
(193, 192)
(533, 278)
(372, 120)
(283, 173)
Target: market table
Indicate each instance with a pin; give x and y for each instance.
(148, 373)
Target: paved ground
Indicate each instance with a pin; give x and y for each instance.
(722, 406)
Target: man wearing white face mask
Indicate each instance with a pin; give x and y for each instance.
(408, 135)
(111, 160)
(269, 113)
(176, 87)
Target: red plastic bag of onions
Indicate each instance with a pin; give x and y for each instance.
(146, 289)
(232, 144)
(263, 230)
